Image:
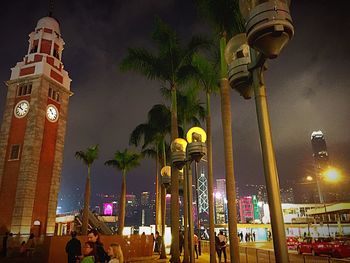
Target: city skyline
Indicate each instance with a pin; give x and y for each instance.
(99, 85)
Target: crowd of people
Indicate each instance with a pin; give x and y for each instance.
(248, 237)
(93, 250)
(9, 246)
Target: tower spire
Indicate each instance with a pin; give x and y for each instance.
(51, 6)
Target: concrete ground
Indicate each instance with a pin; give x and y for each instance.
(204, 258)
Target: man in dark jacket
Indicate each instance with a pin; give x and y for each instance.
(73, 248)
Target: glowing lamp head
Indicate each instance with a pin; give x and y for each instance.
(178, 145)
(178, 152)
(196, 148)
(166, 175)
(196, 134)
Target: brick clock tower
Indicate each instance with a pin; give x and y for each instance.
(32, 135)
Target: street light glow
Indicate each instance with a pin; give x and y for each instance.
(309, 178)
(332, 175)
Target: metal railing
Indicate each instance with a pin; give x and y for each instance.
(258, 255)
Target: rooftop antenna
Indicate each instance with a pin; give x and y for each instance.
(51, 6)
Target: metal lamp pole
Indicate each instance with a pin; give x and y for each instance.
(270, 167)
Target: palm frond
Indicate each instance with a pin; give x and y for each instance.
(137, 133)
(208, 73)
(89, 156)
(142, 61)
(164, 36)
(224, 15)
(186, 73)
(124, 160)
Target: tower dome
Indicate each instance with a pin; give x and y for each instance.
(48, 22)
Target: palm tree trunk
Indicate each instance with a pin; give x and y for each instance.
(163, 206)
(210, 183)
(122, 205)
(175, 257)
(227, 130)
(85, 220)
(186, 219)
(157, 186)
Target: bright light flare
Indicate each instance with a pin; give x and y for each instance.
(309, 178)
(332, 175)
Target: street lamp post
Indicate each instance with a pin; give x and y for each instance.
(184, 154)
(166, 179)
(330, 175)
(268, 29)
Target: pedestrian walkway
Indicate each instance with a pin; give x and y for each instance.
(204, 258)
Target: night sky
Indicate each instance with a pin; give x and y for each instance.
(308, 86)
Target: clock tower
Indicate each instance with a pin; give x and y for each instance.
(32, 134)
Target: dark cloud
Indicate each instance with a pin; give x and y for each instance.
(307, 85)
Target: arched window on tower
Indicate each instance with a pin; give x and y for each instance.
(56, 53)
(34, 48)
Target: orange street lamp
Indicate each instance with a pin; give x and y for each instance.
(332, 175)
(309, 178)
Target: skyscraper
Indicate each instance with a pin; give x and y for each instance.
(203, 193)
(319, 149)
(320, 154)
(221, 202)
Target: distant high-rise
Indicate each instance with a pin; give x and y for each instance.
(246, 208)
(203, 193)
(319, 149)
(321, 161)
(221, 201)
(145, 199)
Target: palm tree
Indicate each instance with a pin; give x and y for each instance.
(88, 157)
(123, 161)
(227, 21)
(190, 108)
(153, 134)
(208, 80)
(172, 66)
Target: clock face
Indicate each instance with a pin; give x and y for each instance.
(21, 109)
(52, 113)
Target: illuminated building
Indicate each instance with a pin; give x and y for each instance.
(220, 217)
(246, 209)
(221, 201)
(319, 149)
(33, 133)
(287, 195)
(203, 193)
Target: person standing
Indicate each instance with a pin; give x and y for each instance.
(254, 236)
(115, 253)
(196, 243)
(4, 244)
(101, 255)
(30, 245)
(217, 246)
(223, 243)
(73, 248)
(89, 253)
(181, 241)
